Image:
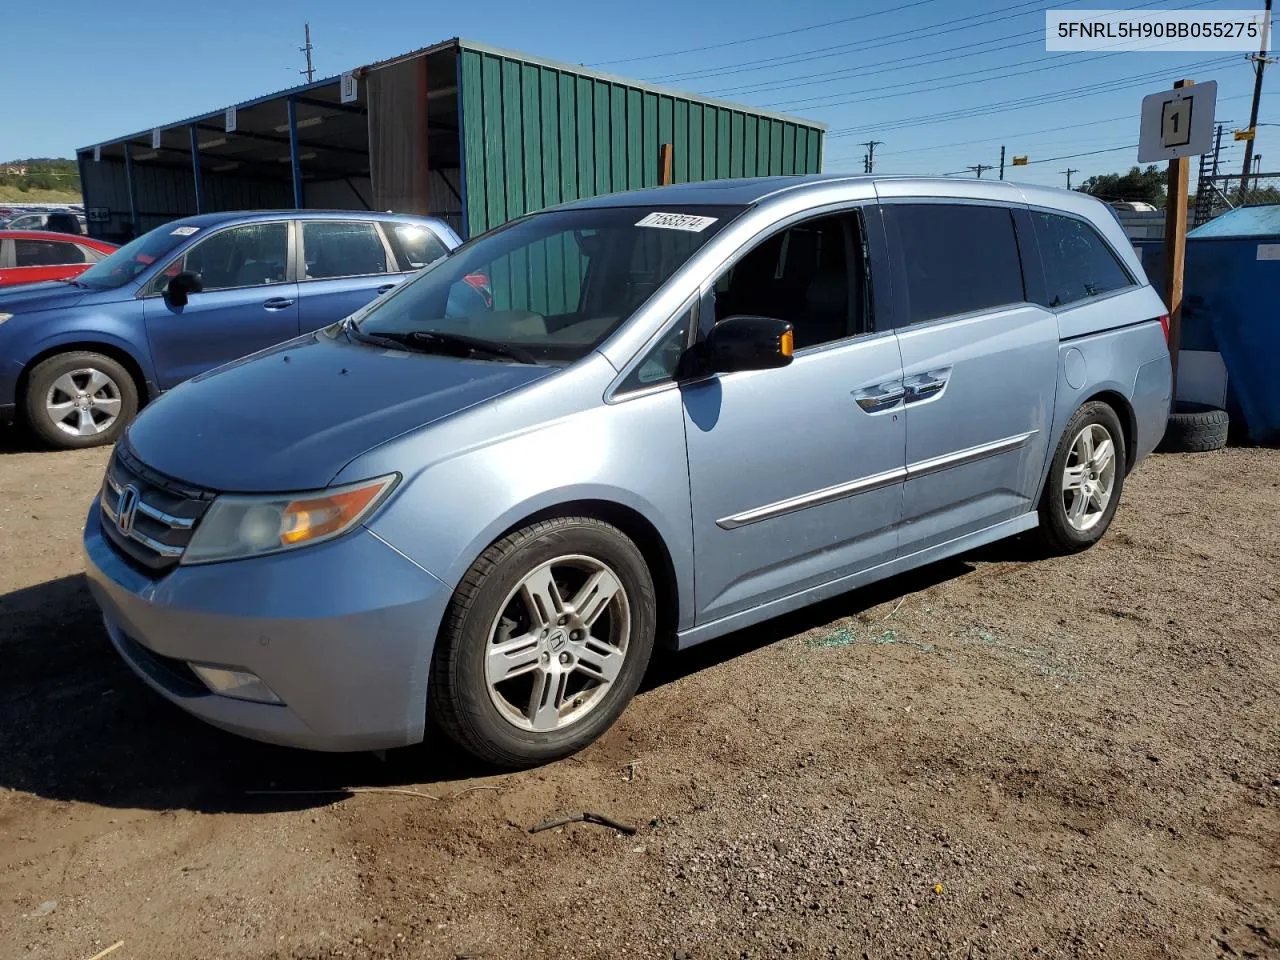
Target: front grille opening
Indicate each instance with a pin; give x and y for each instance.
(164, 520)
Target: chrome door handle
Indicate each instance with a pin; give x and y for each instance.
(277, 303)
(923, 388)
(880, 397)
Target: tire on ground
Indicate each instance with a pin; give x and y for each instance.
(1195, 428)
(458, 697)
(1055, 532)
(41, 381)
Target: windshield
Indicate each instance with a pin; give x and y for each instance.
(136, 256)
(550, 287)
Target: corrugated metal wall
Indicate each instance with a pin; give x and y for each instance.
(166, 193)
(535, 136)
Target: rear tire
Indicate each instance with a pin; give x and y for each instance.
(79, 399)
(1082, 491)
(544, 644)
(1195, 428)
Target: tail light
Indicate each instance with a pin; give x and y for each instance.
(1164, 327)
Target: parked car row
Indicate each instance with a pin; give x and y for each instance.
(32, 256)
(79, 356)
(475, 504)
(58, 221)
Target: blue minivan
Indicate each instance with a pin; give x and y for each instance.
(79, 357)
(681, 412)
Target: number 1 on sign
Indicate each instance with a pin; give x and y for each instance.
(1175, 123)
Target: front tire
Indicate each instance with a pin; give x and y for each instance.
(1085, 480)
(545, 642)
(79, 399)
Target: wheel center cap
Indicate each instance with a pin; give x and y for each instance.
(556, 642)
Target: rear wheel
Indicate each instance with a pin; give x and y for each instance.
(1085, 480)
(79, 399)
(545, 642)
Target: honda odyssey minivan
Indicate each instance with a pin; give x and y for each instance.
(675, 413)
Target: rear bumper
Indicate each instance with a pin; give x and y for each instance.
(1152, 400)
(342, 633)
(8, 412)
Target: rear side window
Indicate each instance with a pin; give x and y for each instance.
(341, 248)
(46, 253)
(1078, 263)
(955, 258)
(415, 246)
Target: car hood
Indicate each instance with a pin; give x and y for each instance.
(30, 297)
(290, 418)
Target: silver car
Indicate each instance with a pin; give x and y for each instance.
(654, 417)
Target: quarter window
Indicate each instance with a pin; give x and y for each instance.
(250, 255)
(415, 246)
(955, 259)
(1078, 263)
(664, 358)
(342, 249)
(46, 253)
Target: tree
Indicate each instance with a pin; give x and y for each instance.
(1146, 186)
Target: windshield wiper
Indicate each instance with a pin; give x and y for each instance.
(450, 342)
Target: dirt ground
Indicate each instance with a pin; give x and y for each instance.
(995, 757)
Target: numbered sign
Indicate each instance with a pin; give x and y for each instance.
(1177, 123)
(231, 120)
(347, 88)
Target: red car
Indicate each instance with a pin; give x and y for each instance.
(29, 256)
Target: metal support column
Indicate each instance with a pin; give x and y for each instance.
(294, 162)
(134, 227)
(195, 169)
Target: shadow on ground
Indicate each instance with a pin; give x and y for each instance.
(80, 726)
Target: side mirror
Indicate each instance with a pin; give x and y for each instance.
(748, 343)
(181, 286)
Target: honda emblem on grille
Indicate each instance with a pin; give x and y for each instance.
(126, 509)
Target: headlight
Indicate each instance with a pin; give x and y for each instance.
(5, 316)
(235, 527)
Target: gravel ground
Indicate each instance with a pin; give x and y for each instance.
(994, 757)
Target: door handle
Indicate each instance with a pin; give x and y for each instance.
(385, 287)
(277, 303)
(923, 387)
(880, 397)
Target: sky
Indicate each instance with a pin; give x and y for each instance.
(942, 83)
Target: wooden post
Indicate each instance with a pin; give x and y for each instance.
(1175, 248)
(664, 164)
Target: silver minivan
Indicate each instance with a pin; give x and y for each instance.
(668, 415)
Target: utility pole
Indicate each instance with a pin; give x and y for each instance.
(1002, 161)
(869, 159)
(1069, 171)
(310, 72)
(978, 168)
(1217, 150)
(1257, 170)
(1259, 67)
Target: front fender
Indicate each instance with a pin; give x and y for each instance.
(82, 331)
(629, 454)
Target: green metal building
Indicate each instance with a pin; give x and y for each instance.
(459, 130)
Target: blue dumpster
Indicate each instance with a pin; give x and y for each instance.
(1231, 308)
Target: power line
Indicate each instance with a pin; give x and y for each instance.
(767, 36)
(895, 63)
(1021, 103)
(840, 49)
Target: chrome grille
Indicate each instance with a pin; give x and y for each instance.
(149, 517)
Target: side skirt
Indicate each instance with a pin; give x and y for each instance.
(775, 608)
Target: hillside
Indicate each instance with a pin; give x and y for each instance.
(40, 180)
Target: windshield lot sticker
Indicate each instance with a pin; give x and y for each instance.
(677, 221)
(183, 231)
(1269, 251)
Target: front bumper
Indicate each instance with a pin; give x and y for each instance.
(342, 632)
